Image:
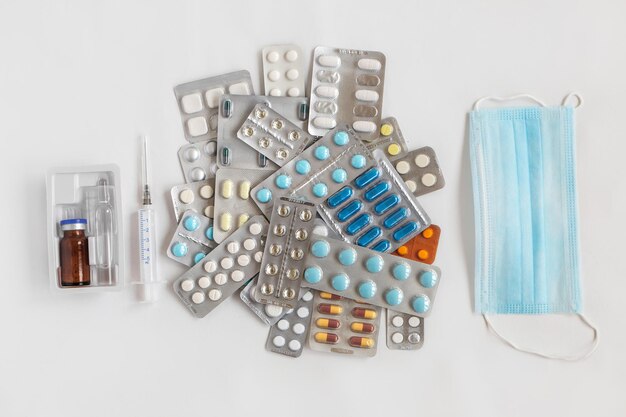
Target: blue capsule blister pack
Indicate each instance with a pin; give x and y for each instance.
(371, 277)
(192, 240)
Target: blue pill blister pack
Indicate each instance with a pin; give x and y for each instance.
(192, 240)
(371, 277)
(223, 270)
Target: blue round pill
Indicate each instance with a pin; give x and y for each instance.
(303, 167)
(339, 175)
(313, 274)
(401, 271)
(321, 152)
(209, 232)
(320, 249)
(394, 296)
(264, 195)
(198, 257)
(374, 264)
(358, 161)
(191, 223)
(367, 289)
(340, 282)
(320, 190)
(347, 257)
(341, 138)
(420, 304)
(283, 181)
(428, 279)
(179, 249)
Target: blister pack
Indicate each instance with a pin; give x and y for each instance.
(273, 135)
(390, 141)
(346, 86)
(197, 196)
(423, 247)
(420, 171)
(223, 270)
(404, 331)
(290, 231)
(317, 172)
(371, 277)
(233, 206)
(192, 240)
(198, 102)
(198, 160)
(341, 325)
(268, 313)
(289, 334)
(283, 70)
(234, 110)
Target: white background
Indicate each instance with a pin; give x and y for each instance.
(79, 80)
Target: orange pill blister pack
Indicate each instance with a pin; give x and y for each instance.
(341, 325)
(423, 247)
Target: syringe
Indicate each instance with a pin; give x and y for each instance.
(149, 281)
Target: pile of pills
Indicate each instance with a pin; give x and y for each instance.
(305, 201)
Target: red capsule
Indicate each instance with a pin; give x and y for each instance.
(332, 309)
(329, 338)
(359, 327)
(364, 313)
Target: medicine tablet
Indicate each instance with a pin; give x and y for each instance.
(255, 228)
(204, 282)
(243, 260)
(293, 92)
(213, 97)
(239, 88)
(429, 180)
(206, 192)
(422, 160)
(403, 167)
(215, 294)
(249, 244)
(220, 279)
(273, 75)
(272, 310)
(273, 56)
(197, 297)
(292, 74)
(327, 91)
(324, 122)
(414, 321)
(298, 328)
(366, 95)
(397, 321)
(386, 129)
(209, 212)
(233, 247)
(295, 345)
(197, 126)
(278, 341)
(242, 219)
(191, 154)
(210, 266)
(227, 263)
(275, 92)
(282, 324)
(197, 174)
(411, 185)
(237, 275)
(303, 312)
(291, 55)
(329, 60)
(192, 103)
(186, 196)
(307, 296)
(187, 285)
(369, 64)
(258, 256)
(226, 221)
(364, 126)
(244, 190)
(227, 189)
(397, 337)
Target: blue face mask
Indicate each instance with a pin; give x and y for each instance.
(524, 180)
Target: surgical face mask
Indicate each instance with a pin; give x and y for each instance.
(524, 180)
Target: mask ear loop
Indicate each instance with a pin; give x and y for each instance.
(579, 99)
(568, 358)
(516, 97)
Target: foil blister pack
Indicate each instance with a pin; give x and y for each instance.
(197, 196)
(192, 239)
(283, 70)
(420, 171)
(288, 336)
(198, 160)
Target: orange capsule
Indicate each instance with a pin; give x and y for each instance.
(361, 342)
(329, 296)
(333, 309)
(422, 254)
(330, 338)
(364, 313)
(327, 323)
(359, 327)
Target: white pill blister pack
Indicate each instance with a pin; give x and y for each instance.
(192, 239)
(234, 110)
(198, 102)
(283, 70)
(420, 171)
(390, 141)
(233, 206)
(404, 331)
(198, 160)
(223, 270)
(371, 277)
(288, 237)
(341, 325)
(273, 135)
(288, 336)
(268, 313)
(197, 196)
(346, 86)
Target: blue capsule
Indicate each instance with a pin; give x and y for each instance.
(395, 217)
(401, 271)
(405, 231)
(340, 282)
(369, 236)
(376, 191)
(341, 138)
(321, 152)
(339, 197)
(339, 175)
(359, 223)
(313, 274)
(367, 177)
(428, 279)
(420, 304)
(303, 167)
(382, 246)
(191, 223)
(349, 210)
(387, 204)
(179, 249)
(283, 181)
(320, 249)
(358, 161)
(367, 289)
(320, 190)
(347, 257)
(374, 264)
(264, 195)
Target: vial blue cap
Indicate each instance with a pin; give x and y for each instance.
(73, 221)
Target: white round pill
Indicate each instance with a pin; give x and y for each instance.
(227, 263)
(233, 247)
(249, 244)
(237, 275)
(291, 55)
(220, 279)
(215, 294)
(255, 228)
(320, 230)
(303, 312)
(191, 154)
(292, 74)
(206, 192)
(293, 92)
(211, 147)
(422, 160)
(197, 174)
(272, 56)
(414, 338)
(210, 266)
(397, 337)
(208, 211)
(397, 321)
(278, 341)
(411, 185)
(414, 321)
(429, 180)
(186, 196)
(273, 75)
(273, 311)
(197, 297)
(204, 282)
(243, 260)
(298, 328)
(275, 92)
(294, 345)
(187, 285)
(308, 296)
(282, 324)
(258, 256)
(403, 167)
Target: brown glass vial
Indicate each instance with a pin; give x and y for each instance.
(74, 253)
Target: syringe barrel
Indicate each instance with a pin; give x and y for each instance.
(147, 247)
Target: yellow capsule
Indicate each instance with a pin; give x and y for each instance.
(227, 189)
(242, 219)
(332, 309)
(361, 342)
(329, 296)
(394, 149)
(359, 327)
(364, 313)
(226, 221)
(323, 323)
(386, 129)
(244, 190)
(329, 338)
